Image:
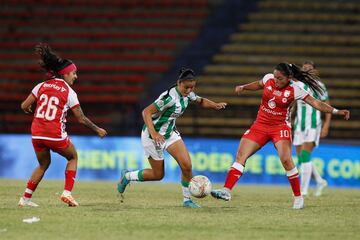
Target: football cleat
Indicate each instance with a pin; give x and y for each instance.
(298, 202)
(190, 204)
(69, 200)
(223, 194)
(320, 187)
(23, 202)
(123, 182)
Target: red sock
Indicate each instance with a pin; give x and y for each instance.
(233, 175)
(293, 177)
(69, 179)
(30, 188)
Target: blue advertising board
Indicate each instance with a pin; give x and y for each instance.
(103, 159)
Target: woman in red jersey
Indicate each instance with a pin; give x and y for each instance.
(54, 97)
(273, 123)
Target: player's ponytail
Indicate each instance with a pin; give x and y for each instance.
(51, 62)
(294, 71)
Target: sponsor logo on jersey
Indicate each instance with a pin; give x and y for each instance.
(269, 88)
(54, 86)
(277, 93)
(175, 115)
(286, 93)
(270, 111)
(271, 103)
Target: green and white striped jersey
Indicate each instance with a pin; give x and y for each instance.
(169, 108)
(308, 117)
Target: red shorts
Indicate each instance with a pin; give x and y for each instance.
(41, 145)
(261, 133)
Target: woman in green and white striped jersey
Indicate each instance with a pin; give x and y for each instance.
(308, 129)
(159, 133)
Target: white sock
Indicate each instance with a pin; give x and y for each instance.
(306, 169)
(132, 176)
(66, 193)
(316, 174)
(186, 193)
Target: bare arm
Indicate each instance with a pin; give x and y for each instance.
(206, 103)
(254, 86)
(326, 124)
(27, 103)
(87, 122)
(146, 114)
(326, 108)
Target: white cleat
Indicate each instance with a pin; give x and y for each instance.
(320, 187)
(298, 202)
(23, 202)
(69, 200)
(223, 194)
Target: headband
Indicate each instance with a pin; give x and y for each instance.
(68, 69)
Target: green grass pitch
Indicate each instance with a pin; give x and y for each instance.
(154, 211)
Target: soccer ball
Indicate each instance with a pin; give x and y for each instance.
(200, 186)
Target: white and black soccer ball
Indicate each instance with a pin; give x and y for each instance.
(200, 186)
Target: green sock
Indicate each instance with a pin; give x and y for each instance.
(140, 175)
(185, 184)
(305, 156)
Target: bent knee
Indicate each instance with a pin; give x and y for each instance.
(158, 175)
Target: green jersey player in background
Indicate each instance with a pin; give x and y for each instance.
(159, 134)
(308, 129)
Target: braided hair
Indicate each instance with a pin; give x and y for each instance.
(184, 74)
(294, 71)
(49, 61)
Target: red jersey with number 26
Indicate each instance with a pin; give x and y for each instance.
(54, 98)
(276, 103)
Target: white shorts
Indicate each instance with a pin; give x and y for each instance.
(310, 135)
(154, 151)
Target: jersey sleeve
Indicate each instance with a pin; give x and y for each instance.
(193, 97)
(267, 77)
(72, 99)
(300, 93)
(35, 90)
(163, 102)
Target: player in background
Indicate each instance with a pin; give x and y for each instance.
(273, 123)
(54, 97)
(308, 129)
(159, 133)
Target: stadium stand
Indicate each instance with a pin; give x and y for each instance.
(129, 51)
(120, 48)
(326, 32)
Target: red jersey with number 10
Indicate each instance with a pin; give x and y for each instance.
(54, 98)
(276, 103)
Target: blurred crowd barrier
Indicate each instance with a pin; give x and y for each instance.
(103, 159)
